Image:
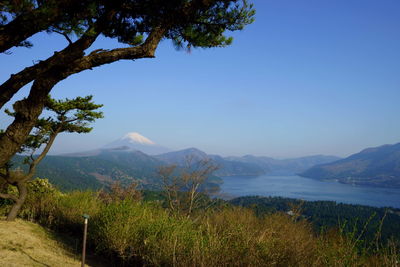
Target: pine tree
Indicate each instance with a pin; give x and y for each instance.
(140, 25)
(69, 115)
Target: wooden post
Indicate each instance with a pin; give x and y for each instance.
(86, 217)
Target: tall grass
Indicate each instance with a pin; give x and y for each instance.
(134, 232)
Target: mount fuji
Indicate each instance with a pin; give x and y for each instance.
(136, 141)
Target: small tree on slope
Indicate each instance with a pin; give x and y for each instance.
(67, 115)
(183, 185)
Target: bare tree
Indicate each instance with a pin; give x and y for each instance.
(184, 186)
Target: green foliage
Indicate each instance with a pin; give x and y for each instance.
(70, 208)
(66, 173)
(68, 17)
(190, 23)
(82, 109)
(41, 186)
(208, 27)
(39, 203)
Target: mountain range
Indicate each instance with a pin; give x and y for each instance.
(247, 165)
(377, 166)
(124, 160)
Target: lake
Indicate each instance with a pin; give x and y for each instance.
(309, 189)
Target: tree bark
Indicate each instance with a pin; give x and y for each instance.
(27, 112)
(23, 191)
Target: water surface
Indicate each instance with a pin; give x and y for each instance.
(309, 189)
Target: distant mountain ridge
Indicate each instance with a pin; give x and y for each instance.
(248, 165)
(285, 166)
(377, 166)
(226, 167)
(131, 159)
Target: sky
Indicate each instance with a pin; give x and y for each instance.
(307, 77)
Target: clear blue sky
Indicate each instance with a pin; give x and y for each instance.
(308, 77)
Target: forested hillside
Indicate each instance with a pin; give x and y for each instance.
(104, 168)
(377, 166)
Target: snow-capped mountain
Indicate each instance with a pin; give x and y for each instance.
(136, 141)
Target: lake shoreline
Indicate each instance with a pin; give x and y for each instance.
(309, 189)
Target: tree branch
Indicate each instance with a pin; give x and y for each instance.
(34, 21)
(9, 196)
(65, 35)
(101, 57)
(72, 52)
(35, 162)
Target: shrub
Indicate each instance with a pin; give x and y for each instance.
(70, 208)
(141, 232)
(238, 238)
(232, 237)
(120, 193)
(41, 201)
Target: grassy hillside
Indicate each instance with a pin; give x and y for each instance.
(27, 244)
(133, 232)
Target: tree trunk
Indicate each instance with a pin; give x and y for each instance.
(23, 191)
(27, 112)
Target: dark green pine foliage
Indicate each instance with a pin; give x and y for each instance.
(23, 18)
(191, 23)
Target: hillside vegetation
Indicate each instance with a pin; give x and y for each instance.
(104, 168)
(377, 166)
(370, 223)
(131, 231)
(98, 168)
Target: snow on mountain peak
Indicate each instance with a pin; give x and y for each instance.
(135, 137)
